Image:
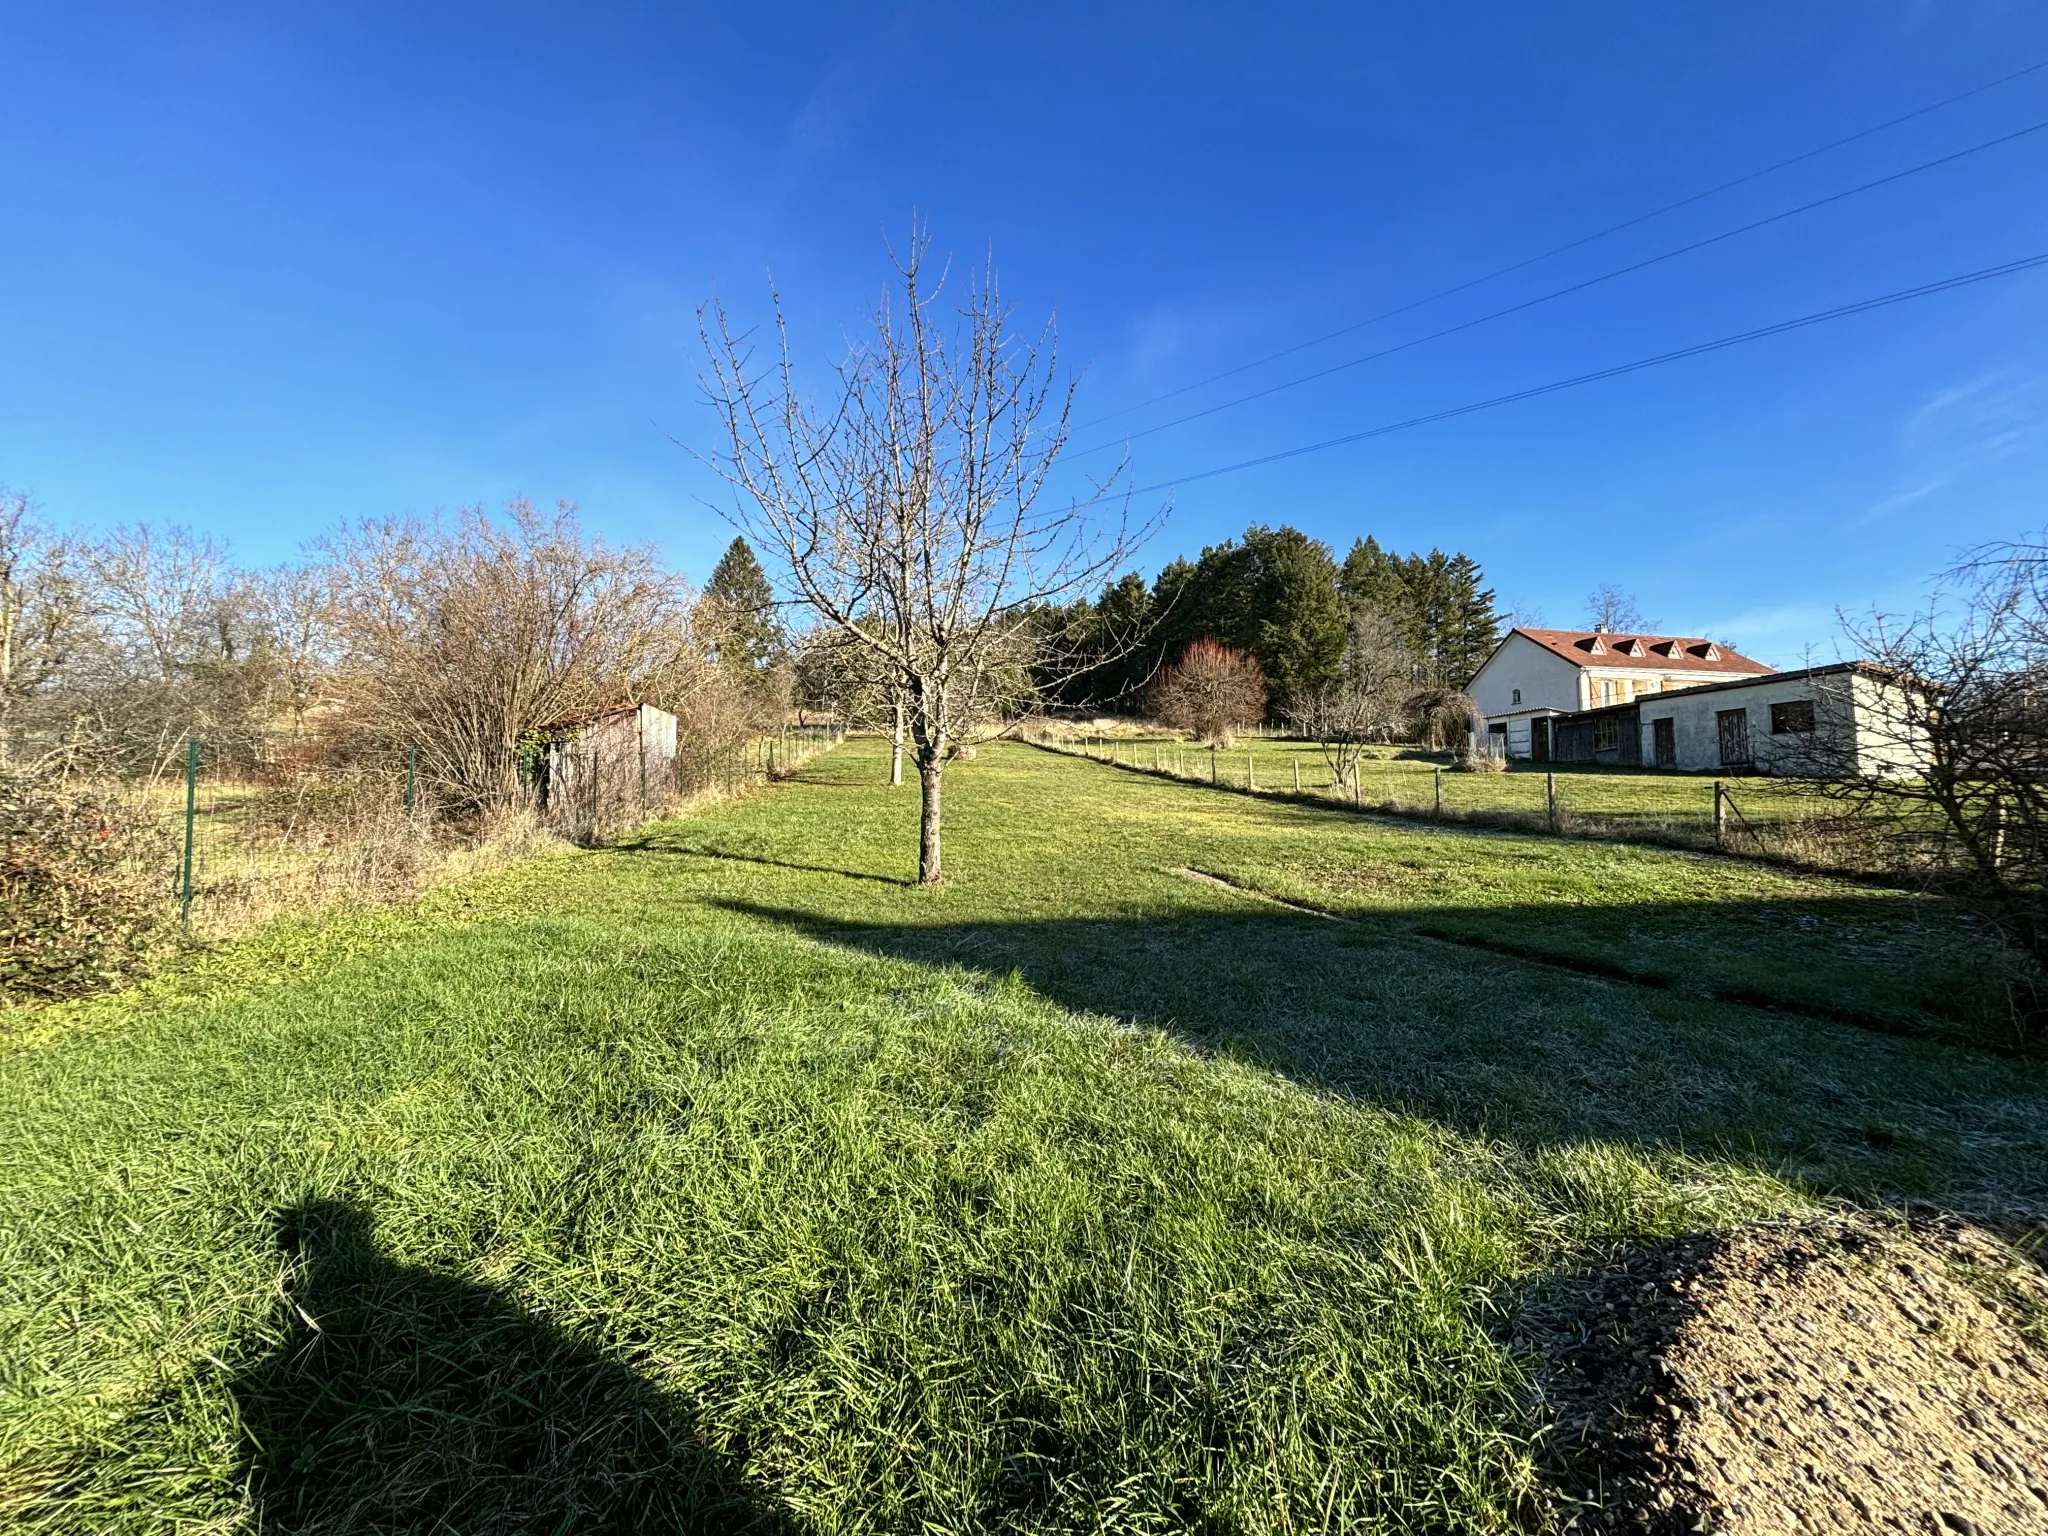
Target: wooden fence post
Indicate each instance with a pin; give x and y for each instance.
(1250, 778)
(1550, 799)
(1297, 775)
(1720, 814)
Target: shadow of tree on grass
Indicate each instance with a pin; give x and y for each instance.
(1495, 1046)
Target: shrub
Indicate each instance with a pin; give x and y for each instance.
(1441, 717)
(1213, 691)
(1480, 761)
(85, 888)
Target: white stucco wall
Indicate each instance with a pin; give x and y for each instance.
(1843, 712)
(1545, 679)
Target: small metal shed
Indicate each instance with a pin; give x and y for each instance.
(608, 761)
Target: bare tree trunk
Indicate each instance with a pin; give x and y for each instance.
(929, 869)
(896, 750)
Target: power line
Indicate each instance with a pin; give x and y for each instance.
(1985, 274)
(1573, 245)
(1578, 287)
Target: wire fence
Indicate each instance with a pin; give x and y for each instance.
(1761, 817)
(249, 829)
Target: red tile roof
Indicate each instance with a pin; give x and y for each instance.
(1670, 653)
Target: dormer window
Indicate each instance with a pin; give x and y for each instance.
(1713, 652)
(1596, 647)
(1672, 649)
(1632, 648)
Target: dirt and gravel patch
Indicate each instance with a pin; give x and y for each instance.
(1820, 1377)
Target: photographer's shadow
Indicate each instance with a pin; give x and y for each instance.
(403, 1400)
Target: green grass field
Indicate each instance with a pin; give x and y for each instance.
(727, 1180)
(1612, 800)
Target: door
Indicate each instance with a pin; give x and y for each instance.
(1733, 726)
(1663, 743)
(1539, 739)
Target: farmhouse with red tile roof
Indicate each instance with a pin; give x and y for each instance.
(1536, 674)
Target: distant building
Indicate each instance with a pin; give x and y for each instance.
(1831, 719)
(1536, 675)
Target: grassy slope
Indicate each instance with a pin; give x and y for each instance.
(1617, 798)
(1074, 1194)
(1725, 926)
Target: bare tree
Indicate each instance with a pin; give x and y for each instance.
(1614, 611)
(461, 637)
(162, 594)
(1938, 745)
(914, 515)
(1365, 703)
(1214, 690)
(294, 605)
(42, 611)
(170, 651)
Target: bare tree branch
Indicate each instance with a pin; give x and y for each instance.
(913, 514)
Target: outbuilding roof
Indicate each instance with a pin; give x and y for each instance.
(1667, 653)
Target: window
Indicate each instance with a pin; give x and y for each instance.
(1606, 734)
(1792, 719)
(1606, 690)
(1518, 695)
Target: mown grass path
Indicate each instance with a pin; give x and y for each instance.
(726, 1180)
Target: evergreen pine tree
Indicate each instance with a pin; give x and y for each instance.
(1295, 617)
(747, 631)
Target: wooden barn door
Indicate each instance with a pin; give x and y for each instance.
(1663, 743)
(1733, 725)
(1539, 739)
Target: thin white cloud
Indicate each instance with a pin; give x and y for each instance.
(1990, 417)
(1898, 501)
(1958, 432)
(1787, 635)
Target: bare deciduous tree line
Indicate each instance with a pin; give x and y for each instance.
(454, 636)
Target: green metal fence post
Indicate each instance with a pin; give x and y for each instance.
(191, 791)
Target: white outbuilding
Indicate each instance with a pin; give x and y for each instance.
(1850, 716)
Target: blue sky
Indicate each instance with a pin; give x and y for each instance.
(270, 267)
